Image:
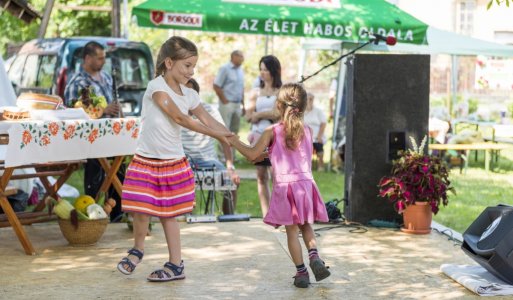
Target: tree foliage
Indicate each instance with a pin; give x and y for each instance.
(14, 30)
(63, 23)
(214, 47)
(498, 3)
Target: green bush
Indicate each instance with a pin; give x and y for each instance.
(510, 109)
(472, 105)
(437, 102)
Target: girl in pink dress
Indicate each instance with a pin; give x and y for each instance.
(295, 201)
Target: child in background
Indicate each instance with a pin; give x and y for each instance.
(316, 119)
(159, 181)
(295, 201)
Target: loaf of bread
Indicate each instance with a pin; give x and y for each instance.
(38, 101)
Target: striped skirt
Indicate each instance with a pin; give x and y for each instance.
(160, 188)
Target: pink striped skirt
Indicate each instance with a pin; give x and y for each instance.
(160, 188)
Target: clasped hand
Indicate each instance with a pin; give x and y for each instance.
(234, 140)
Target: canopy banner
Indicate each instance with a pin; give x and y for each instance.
(305, 3)
(345, 20)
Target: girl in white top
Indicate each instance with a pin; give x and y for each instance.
(261, 112)
(316, 119)
(159, 181)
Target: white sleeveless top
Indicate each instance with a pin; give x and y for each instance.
(263, 103)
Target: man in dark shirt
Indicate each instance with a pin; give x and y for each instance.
(92, 75)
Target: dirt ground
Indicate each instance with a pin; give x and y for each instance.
(232, 261)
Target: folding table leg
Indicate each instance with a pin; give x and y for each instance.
(11, 215)
(52, 190)
(111, 174)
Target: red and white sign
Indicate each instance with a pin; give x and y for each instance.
(493, 73)
(306, 3)
(164, 18)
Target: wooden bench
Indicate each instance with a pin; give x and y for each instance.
(491, 132)
(486, 147)
(62, 170)
(26, 218)
(501, 133)
(16, 220)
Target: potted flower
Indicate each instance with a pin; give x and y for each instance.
(418, 185)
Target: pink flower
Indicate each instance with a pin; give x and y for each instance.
(400, 206)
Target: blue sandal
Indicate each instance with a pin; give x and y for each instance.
(177, 273)
(126, 266)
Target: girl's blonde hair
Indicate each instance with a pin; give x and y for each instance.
(292, 105)
(176, 48)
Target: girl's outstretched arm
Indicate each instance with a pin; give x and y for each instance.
(169, 107)
(207, 119)
(252, 152)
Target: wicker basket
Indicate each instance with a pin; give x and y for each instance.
(87, 233)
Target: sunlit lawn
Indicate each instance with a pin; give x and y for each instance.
(475, 190)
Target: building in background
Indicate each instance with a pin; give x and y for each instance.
(482, 79)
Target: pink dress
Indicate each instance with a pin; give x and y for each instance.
(295, 197)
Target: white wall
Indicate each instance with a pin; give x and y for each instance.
(487, 22)
(442, 14)
(437, 13)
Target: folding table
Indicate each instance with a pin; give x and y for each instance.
(65, 143)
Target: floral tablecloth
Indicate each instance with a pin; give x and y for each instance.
(51, 141)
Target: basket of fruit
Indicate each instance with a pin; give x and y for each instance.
(92, 104)
(83, 223)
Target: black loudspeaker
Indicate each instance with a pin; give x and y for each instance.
(387, 102)
(489, 241)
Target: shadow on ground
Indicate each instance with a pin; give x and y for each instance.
(232, 261)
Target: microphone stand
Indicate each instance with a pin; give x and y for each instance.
(303, 78)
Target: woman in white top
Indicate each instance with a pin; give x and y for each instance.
(261, 113)
(159, 181)
(316, 119)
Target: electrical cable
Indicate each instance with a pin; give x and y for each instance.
(450, 235)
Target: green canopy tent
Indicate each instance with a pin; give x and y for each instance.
(345, 20)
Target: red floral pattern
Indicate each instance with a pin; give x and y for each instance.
(93, 135)
(45, 140)
(135, 134)
(43, 133)
(27, 137)
(130, 124)
(53, 128)
(69, 132)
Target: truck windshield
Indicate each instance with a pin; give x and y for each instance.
(132, 68)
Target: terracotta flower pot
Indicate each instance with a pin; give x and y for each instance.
(417, 218)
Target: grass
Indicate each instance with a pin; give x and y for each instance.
(330, 184)
(475, 190)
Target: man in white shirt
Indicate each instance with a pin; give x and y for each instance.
(229, 87)
(201, 150)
